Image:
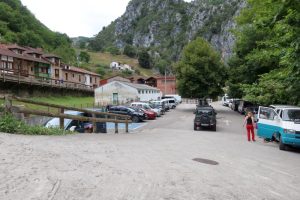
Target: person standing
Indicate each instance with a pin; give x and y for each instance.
(249, 122)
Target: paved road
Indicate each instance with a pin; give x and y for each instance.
(153, 163)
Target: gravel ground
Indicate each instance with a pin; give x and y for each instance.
(152, 163)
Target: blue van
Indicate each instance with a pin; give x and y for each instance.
(280, 123)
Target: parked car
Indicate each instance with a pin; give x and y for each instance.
(171, 101)
(149, 114)
(281, 124)
(134, 115)
(235, 104)
(147, 106)
(205, 116)
(73, 125)
(246, 106)
(159, 104)
(175, 96)
(225, 100)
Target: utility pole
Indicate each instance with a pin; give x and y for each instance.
(165, 80)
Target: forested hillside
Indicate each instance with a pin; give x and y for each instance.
(19, 25)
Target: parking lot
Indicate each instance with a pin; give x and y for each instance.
(158, 161)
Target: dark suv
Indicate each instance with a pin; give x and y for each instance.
(122, 110)
(205, 117)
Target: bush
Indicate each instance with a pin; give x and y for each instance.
(10, 124)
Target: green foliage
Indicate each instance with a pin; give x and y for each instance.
(267, 57)
(200, 72)
(127, 73)
(163, 66)
(9, 124)
(130, 51)
(144, 59)
(18, 25)
(101, 70)
(84, 57)
(113, 50)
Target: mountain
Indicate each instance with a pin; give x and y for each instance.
(166, 26)
(18, 25)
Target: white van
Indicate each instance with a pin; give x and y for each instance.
(280, 123)
(171, 101)
(175, 96)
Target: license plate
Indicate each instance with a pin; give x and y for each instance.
(204, 124)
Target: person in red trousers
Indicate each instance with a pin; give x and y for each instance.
(249, 122)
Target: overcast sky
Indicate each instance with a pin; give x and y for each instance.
(77, 17)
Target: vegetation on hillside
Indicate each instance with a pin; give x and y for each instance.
(9, 124)
(200, 71)
(19, 25)
(266, 65)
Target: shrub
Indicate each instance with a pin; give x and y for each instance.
(10, 124)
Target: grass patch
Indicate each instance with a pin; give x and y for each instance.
(9, 124)
(77, 102)
(104, 59)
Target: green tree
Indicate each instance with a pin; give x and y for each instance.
(113, 50)
(267, 52)
(84, 57)
(200, 72)
(130, 51)
(144, 59)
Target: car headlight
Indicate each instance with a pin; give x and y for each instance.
(290, 131)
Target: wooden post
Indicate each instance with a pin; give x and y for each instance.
(8, 104)
(61, 120)
(126, 123)
(116, 126)
(94, 124)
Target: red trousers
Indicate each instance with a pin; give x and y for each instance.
(250, 129)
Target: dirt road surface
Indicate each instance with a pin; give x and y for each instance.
(152, 163)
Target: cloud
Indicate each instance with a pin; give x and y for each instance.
(76, 17)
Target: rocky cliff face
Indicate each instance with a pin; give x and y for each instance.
(165, 26)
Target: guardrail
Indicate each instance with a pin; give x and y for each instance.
(21, 76)
(108, 117)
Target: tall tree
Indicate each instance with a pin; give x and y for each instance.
(267, 52)
(200, 72)
(144, 59)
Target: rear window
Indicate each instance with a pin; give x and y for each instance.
(171, 101)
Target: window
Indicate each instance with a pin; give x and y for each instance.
(267, 113)
(31, 69)
(66, 76)
(95, 80)
(79, 77)
(91, 79)
(73, 75)
(56, 73)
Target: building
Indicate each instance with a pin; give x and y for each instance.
(165, 84)
(33, 65)
(117, 92)
(80, 76)
(114, 78)
(23, 62)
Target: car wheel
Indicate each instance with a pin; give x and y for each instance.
(195, 128)
(214, 128)
(282, 146)
(135, 119)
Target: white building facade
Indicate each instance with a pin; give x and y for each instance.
(117, 92)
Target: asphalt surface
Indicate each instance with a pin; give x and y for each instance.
(164, 160)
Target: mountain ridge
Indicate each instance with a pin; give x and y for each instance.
(165, 27)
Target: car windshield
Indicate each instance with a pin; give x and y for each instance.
(201, 112)
(291, 115)
(130, 109)
(147, 106)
